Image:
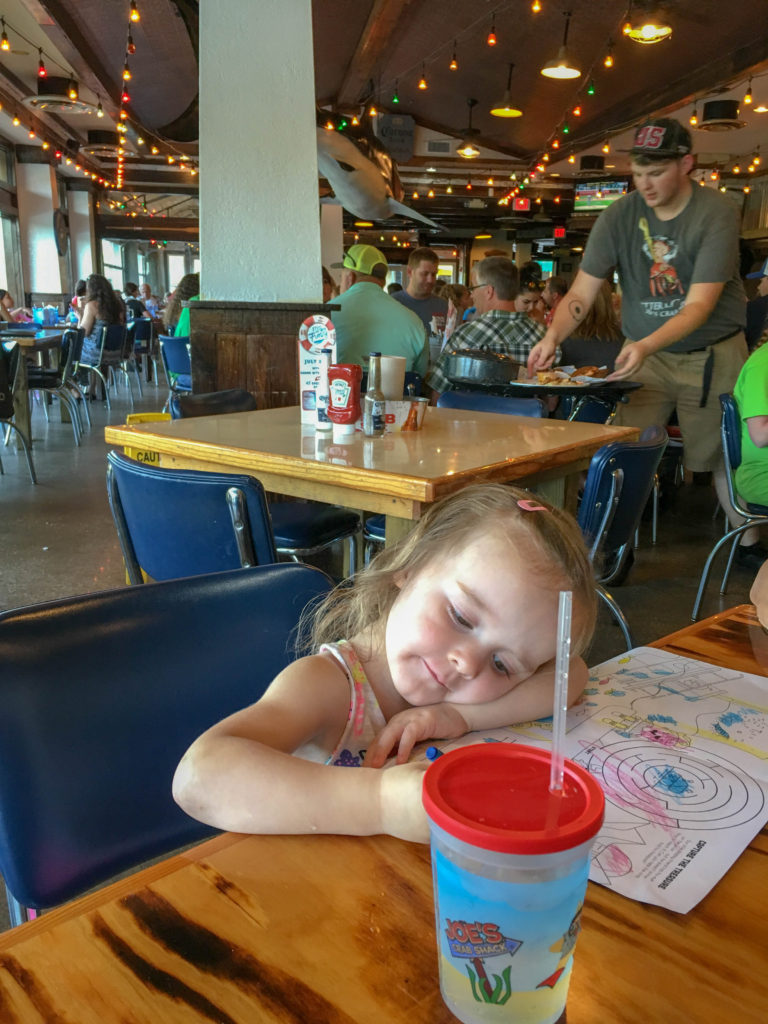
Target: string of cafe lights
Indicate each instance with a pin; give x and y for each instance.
(49, 140)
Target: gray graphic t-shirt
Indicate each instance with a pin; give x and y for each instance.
(659, 260)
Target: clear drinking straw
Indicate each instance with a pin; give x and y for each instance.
(562, 664)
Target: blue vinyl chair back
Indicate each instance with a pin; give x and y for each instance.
(175, 352)
(619, 482)
(478, 401)
(752, 513)
(100, 696)
(113, 342)
(180, 522)
(212, 403)
(140, 330)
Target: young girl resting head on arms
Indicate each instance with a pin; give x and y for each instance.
(452, 630)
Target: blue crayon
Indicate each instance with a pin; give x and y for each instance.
(432, 753)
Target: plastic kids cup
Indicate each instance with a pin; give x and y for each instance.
(509, 867)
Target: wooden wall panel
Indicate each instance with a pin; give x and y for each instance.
(249, 345)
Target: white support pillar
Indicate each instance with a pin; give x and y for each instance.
(259, 219)
(38, 197)
(82, 231)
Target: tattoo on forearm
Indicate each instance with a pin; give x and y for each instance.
(576, 310)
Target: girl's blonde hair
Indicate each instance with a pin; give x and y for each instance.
(547, 539)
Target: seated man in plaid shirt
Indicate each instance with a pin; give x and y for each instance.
(502, 323)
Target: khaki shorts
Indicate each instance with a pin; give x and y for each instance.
(673, 382)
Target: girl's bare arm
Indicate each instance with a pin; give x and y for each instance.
(241, 774)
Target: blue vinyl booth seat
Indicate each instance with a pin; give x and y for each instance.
(619, 482)
(182, 522)
(753, 514)
(100, 696)
(478, 401)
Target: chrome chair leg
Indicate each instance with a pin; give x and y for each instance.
(27, 449)
(617, 613)
(17, 912)
(732, 535)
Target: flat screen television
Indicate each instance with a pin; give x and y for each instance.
(594, 196)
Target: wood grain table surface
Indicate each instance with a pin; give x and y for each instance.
(323, 929)
(397, 474)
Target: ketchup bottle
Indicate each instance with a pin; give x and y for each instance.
(344, 380)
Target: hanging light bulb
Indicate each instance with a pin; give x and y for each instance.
(130, 45)
(469, 184)
(449, 190)
(748, 94)
(4, 44)
(577, 110)
(693, 120)
(453, 66)
(431, 194)
(395, 99)
(99, 110)
(571, 159)
(373, 111)
(608, 59)
(562, 66)
(423, 80)
(492, 34)
(566, 128)
(41, 72)
(606, 146)
(756, 157)
(736, 169)
(591, 87)
(746, 190)
(535, 6)
(134, 15)
(126, 73)
(72, 91)
(555, 143)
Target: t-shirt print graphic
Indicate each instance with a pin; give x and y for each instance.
(661, 251)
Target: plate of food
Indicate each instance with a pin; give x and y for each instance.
(565, 376)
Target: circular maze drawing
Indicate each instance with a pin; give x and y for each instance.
(674, 787)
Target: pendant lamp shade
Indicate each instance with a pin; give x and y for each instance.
(467, 147)
(563, 66)
(504, 108)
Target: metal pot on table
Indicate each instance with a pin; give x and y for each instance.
(481, 366)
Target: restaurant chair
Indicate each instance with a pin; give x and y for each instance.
(753, 514)
(59, 382)
(140, 329)
(212, 403)
(128, 363)
(182, 522)
(101, 695)
(177, 364)
(111, 349)
(619, 480)
(9, 367)
(479, 401)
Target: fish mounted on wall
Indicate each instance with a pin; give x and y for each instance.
(361, 171)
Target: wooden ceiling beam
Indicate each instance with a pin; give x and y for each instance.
(374, 41)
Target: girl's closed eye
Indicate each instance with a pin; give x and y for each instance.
(499, 665)
(458, 618)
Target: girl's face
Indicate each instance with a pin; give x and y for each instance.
(7, 301)
(470, 627)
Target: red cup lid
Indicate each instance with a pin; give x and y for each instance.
(496, 796)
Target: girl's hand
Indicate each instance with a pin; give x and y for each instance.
(401, 808)
(405, 729)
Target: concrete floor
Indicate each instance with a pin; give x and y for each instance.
(58, 538)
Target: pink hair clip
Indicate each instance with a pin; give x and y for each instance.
(530, 506)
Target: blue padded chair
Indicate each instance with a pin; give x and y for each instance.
(177, 364)
(100, 696)
(140, 331)
(112, 346)
(619, 480)
(60, 382)
(9, 366)
(754, 515)
(181, 522)
(479, 401)
(212, 403)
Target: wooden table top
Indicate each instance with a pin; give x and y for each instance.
(245, 929)
(39, 341)
(455, 447)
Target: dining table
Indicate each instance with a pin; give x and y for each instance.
(45, 342)
(338, 929)
(398, 474)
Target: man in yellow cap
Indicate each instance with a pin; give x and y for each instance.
(370, 320)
